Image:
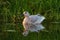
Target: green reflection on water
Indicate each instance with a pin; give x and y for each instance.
(52, 34)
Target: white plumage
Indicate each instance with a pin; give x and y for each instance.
(32, 23)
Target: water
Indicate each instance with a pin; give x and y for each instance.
(52, 34)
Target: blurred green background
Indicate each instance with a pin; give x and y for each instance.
(11, 19)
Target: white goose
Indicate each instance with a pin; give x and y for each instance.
(32, 23)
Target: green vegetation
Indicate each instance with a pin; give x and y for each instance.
(11, 19)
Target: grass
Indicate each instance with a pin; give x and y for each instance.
(11, 19)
